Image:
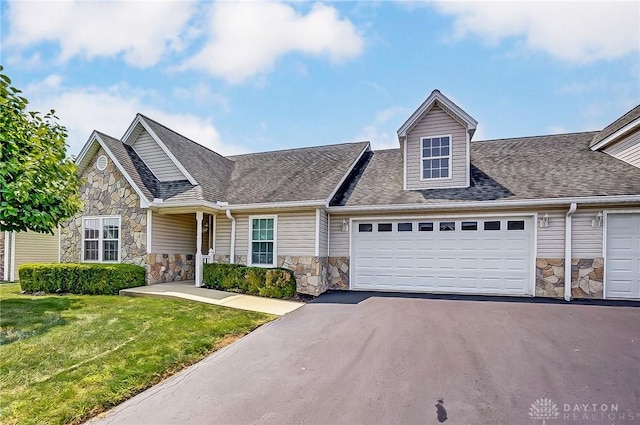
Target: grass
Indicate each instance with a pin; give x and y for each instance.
(66, 358)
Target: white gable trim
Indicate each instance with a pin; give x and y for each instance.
(613, 137)
(426, 106)
(95, 138)
(140, 120)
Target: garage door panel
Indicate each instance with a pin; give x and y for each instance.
(456, 261)
(622, 268)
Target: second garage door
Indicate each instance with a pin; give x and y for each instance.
(470, 256)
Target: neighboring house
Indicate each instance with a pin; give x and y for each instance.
(440, 214)
(26, 247)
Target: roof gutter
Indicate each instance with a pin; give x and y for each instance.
(567, 251)
(224, 206)
(488, 204)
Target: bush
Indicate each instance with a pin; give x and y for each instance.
(272, 283)
(90, 279)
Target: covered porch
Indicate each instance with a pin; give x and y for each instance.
(179, 242)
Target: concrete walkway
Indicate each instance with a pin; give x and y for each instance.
(188, 291)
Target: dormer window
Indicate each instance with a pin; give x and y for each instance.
(436, 158)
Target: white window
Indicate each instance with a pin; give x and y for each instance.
(263, 235)
(101, 239)
(436, 157)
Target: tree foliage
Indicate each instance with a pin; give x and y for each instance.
(38, 182)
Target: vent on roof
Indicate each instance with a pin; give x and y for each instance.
(101, 163)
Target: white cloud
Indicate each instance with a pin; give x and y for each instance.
(140, 31)
(381, 132)
(247, 38)
(111, 111)
(578, 32)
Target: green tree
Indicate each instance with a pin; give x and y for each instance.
(38, 182)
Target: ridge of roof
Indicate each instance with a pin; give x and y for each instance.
(178, 134)
(510, 139)
(279, 151)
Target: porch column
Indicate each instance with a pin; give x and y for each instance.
(199, 248)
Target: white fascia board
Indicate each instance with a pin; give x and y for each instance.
(436, 95)
(144, 202)
(167, 151)
(609, 139)
(85, 151)
(342, 180)
(490, 204)
(238, 207)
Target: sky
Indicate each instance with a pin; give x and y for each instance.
(254, 76)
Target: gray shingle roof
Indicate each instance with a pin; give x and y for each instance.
(302, 174)
(555, 166)
(616, 125)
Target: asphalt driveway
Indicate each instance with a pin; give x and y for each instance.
(354, 358)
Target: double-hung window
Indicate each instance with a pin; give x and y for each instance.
(101, 239)
(436, 157)
(263, 240)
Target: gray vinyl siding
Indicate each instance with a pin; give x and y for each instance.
(156, 159)
(437, 123)
(627, 149)
(323, 233)
(296, 233)
(551, 239)
(586, 240)
(173, 234)
(338, 240)
(32, 247)
(223, 235)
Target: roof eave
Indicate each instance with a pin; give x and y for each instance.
(457, 205)
(616, 135)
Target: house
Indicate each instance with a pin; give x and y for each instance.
(441, 213)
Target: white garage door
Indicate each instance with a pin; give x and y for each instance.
(622, 266)
(471, 256)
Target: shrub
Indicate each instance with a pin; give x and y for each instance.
(272, 283)
(91, 279)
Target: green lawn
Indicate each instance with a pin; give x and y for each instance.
(66, 358)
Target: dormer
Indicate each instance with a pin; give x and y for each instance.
(621, 138)
(434, 143)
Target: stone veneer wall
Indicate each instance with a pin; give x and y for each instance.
(107, 193)
(587, 277)
(338, 273)
(311, 273)
(550, 277)
(170, 267)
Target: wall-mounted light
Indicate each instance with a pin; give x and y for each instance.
(345, 225)
(597, 220)
(544, 221)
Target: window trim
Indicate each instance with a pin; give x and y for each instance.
(250, 240)
(449, 157)
(101, 238)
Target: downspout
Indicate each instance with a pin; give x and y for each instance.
(567, 251)
(232, 250)
(12, 269)
(5, 270)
